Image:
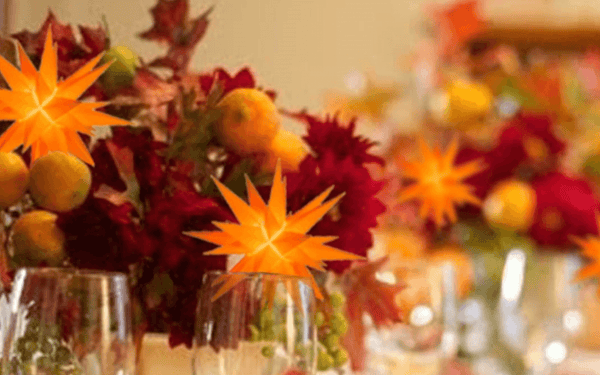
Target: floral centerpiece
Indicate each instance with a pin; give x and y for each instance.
(131, 196)
(505, 157)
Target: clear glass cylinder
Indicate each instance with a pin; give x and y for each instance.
(68, 321)
(263, 325)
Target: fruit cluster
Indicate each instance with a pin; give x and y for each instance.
(251, 125)
(330, 353)
(331, 326)
(266, 329)
(56, 182)
(43, 345)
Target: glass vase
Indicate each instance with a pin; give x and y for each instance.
(263, 325)
(68, 322)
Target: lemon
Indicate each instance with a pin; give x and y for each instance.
(287, 147)
(249, 123)
(36, 238)
(14, 177)
(510, 205)
(59, 182)
(122, 71)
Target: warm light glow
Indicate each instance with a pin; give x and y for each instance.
(438, 183)
(556, 352)
(513, 275)
(271, 240)
(47, 116)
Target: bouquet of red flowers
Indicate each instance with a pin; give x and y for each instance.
(148, 178)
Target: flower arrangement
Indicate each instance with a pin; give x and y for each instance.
(130, 197)
(504, 157)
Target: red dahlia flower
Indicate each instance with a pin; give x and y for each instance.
(341, 161)
(566, 207)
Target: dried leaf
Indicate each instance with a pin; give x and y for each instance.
(173, 27)
(123, 158)
(367, 295)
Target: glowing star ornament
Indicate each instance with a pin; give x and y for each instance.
(438, 183)
(46, 113)
(590, 248)
(271, 240)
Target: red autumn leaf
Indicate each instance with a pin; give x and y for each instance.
(242, 79)
(367, 295)
(173, 27)
(123, 158)
(94, 38)
(152, 92)
(33, 42)
(168, 17)
(457, 24)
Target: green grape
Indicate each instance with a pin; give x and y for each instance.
(337, 300)
(31, 346)
(281, 333)
(268, 334)
(339, 324)
(340, 357)
(324, 361)
(268, 351)
(254, 333)
(62, 355)
(44, 362)
(319, 319)
(331, 341)
(46, 347)
(265, 319)
(21, 344)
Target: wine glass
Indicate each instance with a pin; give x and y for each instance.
(68, 322)
(263, 325)
(428, 334)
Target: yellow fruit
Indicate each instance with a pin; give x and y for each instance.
(463, 267)
(37, 239)
(122, 71)
(14, 177)
(462, 103)
(249, 123)
(287, 147)
(59, 182)
(510, 205)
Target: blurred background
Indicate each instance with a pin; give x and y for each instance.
(303, 48)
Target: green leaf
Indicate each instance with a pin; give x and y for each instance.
(236, 181)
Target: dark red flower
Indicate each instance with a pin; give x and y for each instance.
(330, 135)
(566, 207)
(528, 138)
(94, 236)
(354, 216)
(525, 145)
(242, 79)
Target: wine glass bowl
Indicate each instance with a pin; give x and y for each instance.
(71, 322)
(263, 325)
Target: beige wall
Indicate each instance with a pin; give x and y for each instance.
(299, 47)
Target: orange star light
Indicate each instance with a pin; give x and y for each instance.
(590, 248)
(438, 183)
(46, 113)
(272, 241)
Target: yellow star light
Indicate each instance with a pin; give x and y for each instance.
(46, 113)
(590, 248)
(438, 183)
(272, 241)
